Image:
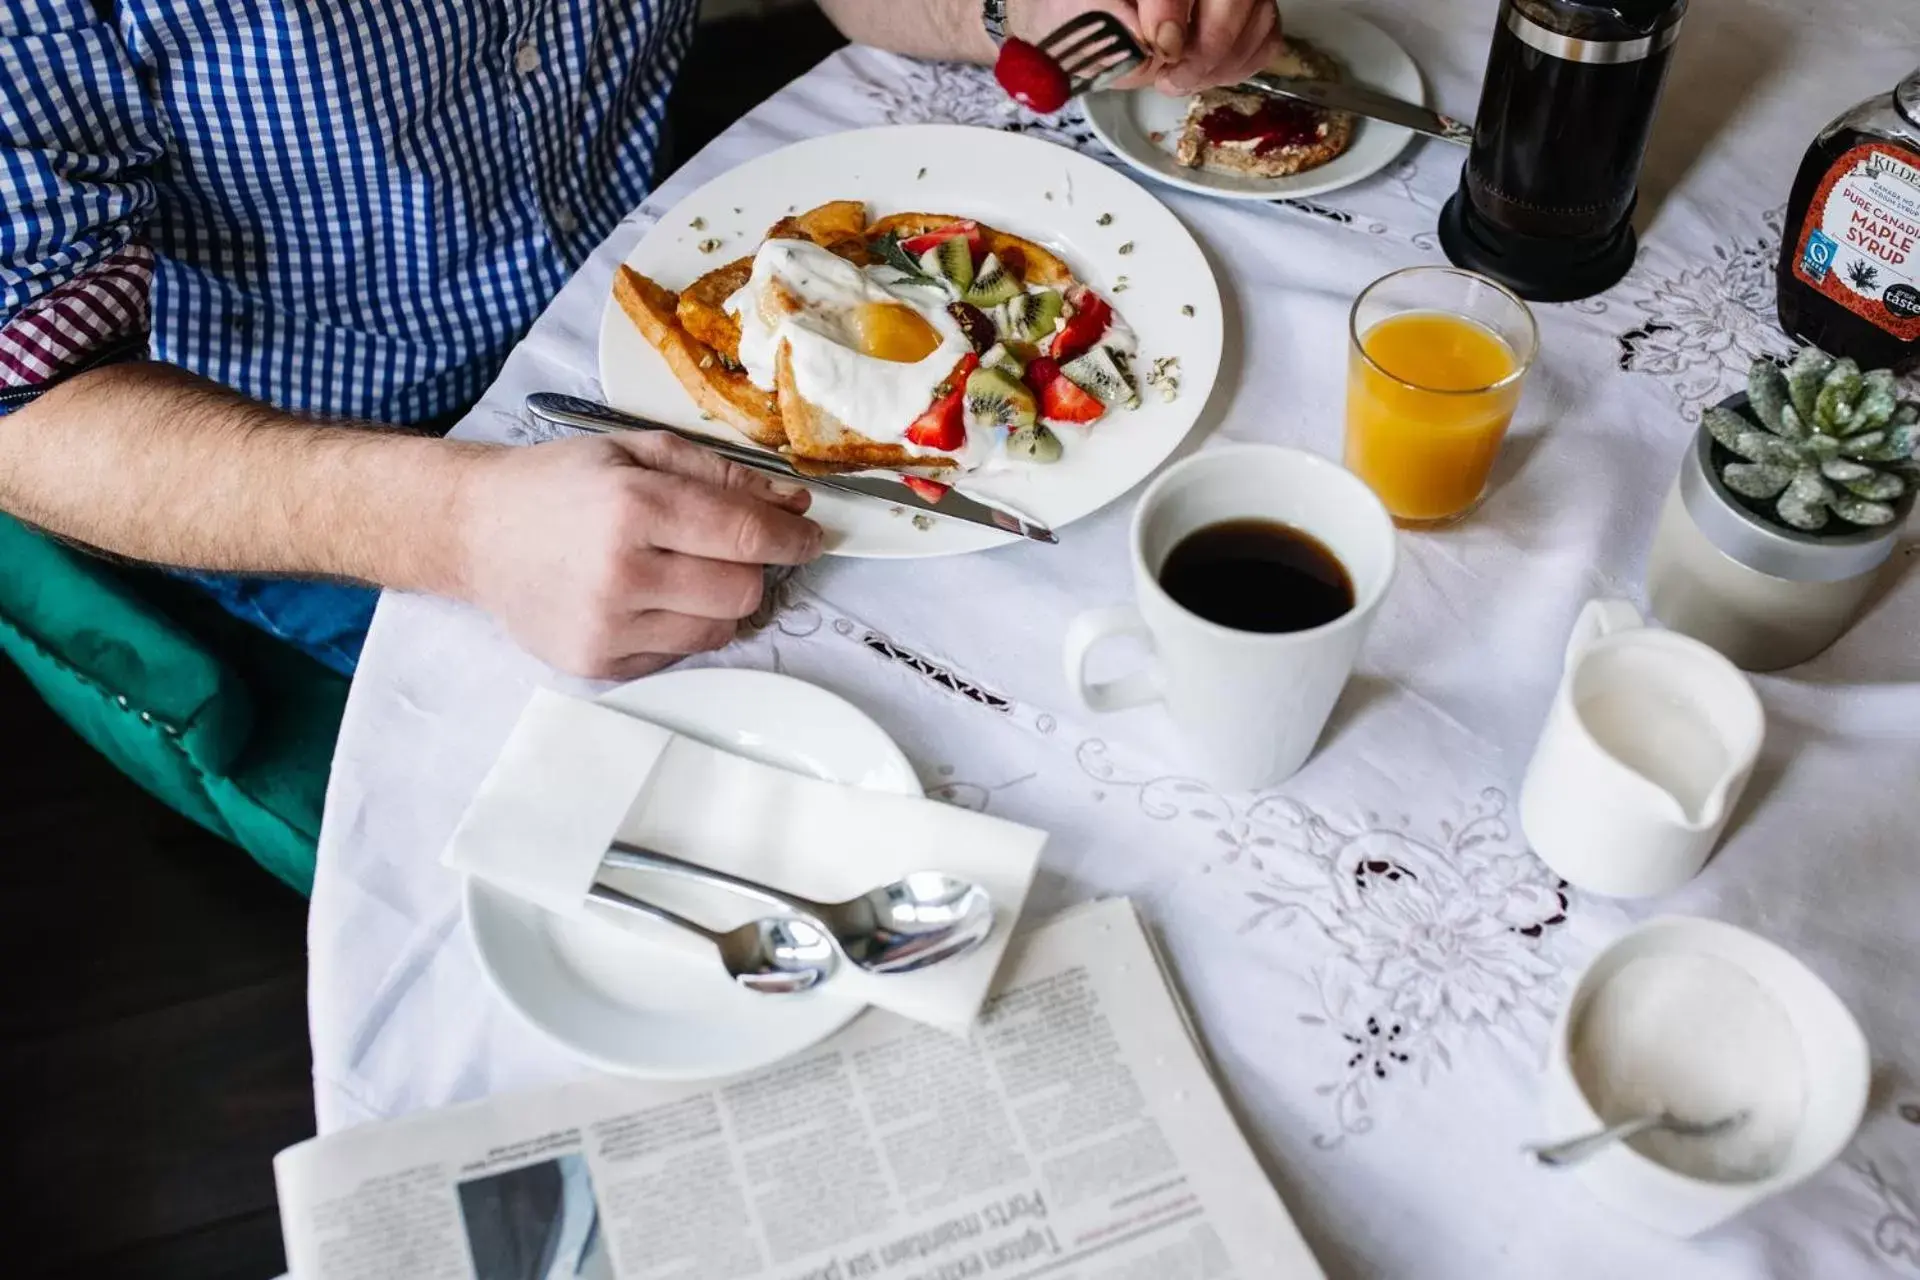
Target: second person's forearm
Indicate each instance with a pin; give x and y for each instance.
(933, 29)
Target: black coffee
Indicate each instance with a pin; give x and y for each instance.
(1257, 575)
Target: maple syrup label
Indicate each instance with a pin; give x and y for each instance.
(1860, 240)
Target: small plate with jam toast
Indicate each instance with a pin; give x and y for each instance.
(1250, 146)
(944, 306)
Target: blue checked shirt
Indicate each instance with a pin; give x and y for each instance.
(348, 207)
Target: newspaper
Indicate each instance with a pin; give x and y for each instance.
(1075, 1135)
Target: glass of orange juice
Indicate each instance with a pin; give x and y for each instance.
(1435, 363)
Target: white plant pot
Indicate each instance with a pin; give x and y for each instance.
(1764, 595)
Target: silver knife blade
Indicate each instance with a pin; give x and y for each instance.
(1360, 101)
(591, 415)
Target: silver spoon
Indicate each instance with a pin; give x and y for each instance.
(1570, 1151)
(775, 956)
(915, 921)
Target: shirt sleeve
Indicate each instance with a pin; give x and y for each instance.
(79, 141)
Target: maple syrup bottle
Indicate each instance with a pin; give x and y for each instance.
(1849, 274)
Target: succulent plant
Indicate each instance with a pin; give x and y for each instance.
(1829, 440)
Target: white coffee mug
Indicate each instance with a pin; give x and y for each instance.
(1251, 705)
(1647, 747)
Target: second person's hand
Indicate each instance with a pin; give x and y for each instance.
(1192, 44)
(1226, 41)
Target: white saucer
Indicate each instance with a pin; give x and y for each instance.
(609, 997)
(1127, 121)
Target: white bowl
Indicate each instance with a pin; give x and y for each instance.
(1833, 1049)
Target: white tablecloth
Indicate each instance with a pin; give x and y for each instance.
(1373, 954)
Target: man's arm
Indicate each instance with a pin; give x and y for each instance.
(606, 556)
(151, 463)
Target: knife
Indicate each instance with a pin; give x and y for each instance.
(591, 415)
(1370, 103)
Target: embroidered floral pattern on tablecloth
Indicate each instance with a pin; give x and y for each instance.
(1339, 217)
(935, 672)
(1706, 322)
(977, 796)
(784, 606)
(1896, 1233)
(1439, 932)
(953, 93)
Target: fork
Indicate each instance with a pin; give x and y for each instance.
(1094, 50)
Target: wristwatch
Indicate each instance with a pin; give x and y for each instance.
(993, 16)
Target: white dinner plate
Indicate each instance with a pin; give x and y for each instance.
(606, 994)
(1036, 189)
(1142, 126)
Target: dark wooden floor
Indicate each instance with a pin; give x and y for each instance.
(153, 1037)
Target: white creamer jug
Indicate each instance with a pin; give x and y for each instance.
(1647, 747)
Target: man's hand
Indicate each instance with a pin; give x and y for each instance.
(1194, 44)
(612, 556)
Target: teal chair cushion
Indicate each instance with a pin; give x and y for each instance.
(220, 721)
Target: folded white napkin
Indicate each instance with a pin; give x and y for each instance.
(574, 776)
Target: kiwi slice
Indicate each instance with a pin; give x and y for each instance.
(1003, 321)
(1031, 316)
(992, 284)
(995, 398)
(1034, 444)
(950, 261)
(1000, 356)
(1098, 374)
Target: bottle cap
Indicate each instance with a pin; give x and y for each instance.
(1907, 98)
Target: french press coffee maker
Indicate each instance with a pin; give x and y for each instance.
(1546, 199)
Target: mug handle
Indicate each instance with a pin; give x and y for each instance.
(1134, 689)
(1599, 619)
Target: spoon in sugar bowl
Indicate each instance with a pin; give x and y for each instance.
(1571, 1151)
(921, 919)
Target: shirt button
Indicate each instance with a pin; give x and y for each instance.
(526, 59)
(564, 222)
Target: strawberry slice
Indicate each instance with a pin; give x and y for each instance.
(1041, 372)
(944, 424)
(931, 490)
(1090, 318)
(976, 240)
(1063, 400)
(957, 380)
